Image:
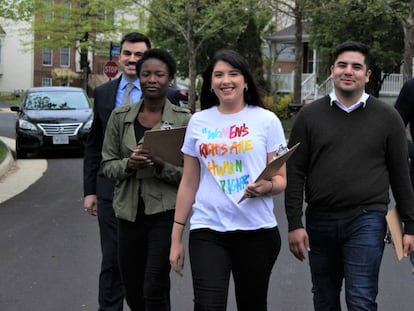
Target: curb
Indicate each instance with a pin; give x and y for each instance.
(17, 175)
(7, 163)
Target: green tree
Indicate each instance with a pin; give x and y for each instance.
(249, 45)
(404, 12)
(16, 9)
(87, 25)
(294, 10)
(195, 29)
(408, 26)
(370, 22)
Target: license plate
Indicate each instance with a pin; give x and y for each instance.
(61, 140)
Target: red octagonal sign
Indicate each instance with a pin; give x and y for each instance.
(110, 69)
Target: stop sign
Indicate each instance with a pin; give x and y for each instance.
(110, 69)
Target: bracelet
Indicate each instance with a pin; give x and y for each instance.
(179, 223)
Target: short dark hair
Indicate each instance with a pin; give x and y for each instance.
(251, 95)
(161, 55)
(353, 46)
(136, 37)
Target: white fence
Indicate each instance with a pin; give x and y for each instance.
(392, 85)
(283, 83)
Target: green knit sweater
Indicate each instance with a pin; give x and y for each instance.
(347, 162)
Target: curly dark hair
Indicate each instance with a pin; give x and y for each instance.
(162, 55)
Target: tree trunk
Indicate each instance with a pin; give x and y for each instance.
(84, 64)
(297, 86)
(192, 77)
(192, 60)
(374, 84)
(408, 43)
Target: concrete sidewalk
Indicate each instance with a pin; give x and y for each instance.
(17, 175)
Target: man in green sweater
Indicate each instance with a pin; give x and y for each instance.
(353, 148)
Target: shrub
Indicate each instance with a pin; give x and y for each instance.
(65, 76)
(279, 105)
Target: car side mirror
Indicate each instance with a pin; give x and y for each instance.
(15, 108)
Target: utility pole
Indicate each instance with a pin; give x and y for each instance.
(84, 62)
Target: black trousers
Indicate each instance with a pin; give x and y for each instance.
(111, 292)
(248, 255)
(144, 249)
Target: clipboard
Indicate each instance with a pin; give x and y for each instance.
(272, 168)
(166, 143)
(395, 228)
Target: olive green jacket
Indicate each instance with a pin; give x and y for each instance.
(157, 189)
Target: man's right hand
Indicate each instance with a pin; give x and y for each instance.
(90, 204)
(298, 243)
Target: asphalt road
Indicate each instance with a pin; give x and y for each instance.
(49, 253)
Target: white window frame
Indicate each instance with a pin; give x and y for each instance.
(67, 6)
(47, 52)
(47, 82)
(48, 15)
(65, 52)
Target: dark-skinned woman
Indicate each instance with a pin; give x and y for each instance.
(146, 185)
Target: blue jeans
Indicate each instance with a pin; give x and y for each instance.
(249, 255)
(349, 249)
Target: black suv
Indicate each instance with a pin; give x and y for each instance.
(52, 118)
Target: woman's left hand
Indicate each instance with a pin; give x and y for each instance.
(259, 188)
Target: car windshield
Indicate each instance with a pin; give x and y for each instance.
(56, 101)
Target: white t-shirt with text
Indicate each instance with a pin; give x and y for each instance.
(232, 151)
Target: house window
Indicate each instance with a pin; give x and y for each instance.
(311, 61)
(66, 8)
(48, 14)
(64, 57)
(46, 82)
(47, 57)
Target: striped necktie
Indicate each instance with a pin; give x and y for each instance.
(127, 99)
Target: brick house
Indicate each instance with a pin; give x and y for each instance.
(23, 65)
(282, 51)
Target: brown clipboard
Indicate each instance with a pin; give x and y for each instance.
(395, 228)
(272, 168)
(166, 143)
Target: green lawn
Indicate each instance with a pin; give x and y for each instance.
(10, 99)
(3, 151)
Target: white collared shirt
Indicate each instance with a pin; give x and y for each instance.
(362, 101)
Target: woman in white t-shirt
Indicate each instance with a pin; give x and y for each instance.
(227, 145)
